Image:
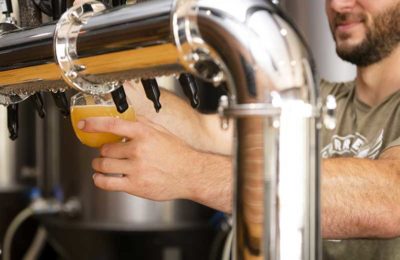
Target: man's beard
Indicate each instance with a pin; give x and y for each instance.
(382, 37)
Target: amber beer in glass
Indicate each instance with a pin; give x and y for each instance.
(84, 106)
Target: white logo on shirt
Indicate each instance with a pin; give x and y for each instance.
(355, 145)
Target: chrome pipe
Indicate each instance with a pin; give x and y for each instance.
(274, 101)
(104, 46)
(253, 48)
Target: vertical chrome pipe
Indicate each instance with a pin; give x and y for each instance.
(274, 100)
(253, 48)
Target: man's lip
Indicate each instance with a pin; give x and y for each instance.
(347, 26)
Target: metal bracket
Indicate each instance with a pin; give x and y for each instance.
(252, 110)
(226, 110)
(65, 51)
(328, 112)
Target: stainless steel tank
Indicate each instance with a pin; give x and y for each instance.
(17, 172)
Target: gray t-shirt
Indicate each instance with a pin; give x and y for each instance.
(362, 132)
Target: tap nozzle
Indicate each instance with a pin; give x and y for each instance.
(12, 121)
(152, 92)
(190, 89)
(37, 100)
(120, 101)
(61, 102)
(7, 7)
(118, 2)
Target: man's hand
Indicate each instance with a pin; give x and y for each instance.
(152, 159)
(200, 131)
(158, 165)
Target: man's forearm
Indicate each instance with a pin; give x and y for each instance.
(212, 183)
(360, 198)
(200, 131)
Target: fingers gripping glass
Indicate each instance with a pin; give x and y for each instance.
(84, 106)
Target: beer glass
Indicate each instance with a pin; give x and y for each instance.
(84, 106)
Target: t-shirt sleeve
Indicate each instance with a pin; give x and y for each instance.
(335, 89)
(326, 88)
(392, 144)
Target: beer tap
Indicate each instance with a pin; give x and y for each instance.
(152, 92)
(12, 121)
(58, 8)
(45, 6)
(190, 88)
(37, 100)
(119, 98)
(150, 85)
(61, 102)
(6, 9)
(52, 8)
(118, 2)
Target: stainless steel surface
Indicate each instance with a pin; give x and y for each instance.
(277, 186)
(251, 47)
(105, 46)
(17, 158)
(8, 176)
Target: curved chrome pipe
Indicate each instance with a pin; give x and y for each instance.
(274, 99)
(249, 45)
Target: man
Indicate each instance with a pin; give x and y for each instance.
(361, 169)
(361, 196)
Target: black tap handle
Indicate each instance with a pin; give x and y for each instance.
(190, 89)
(152, 92)
(58, 8)
(118, 2)
(8, 9)
(37, 100)
(120, 101)
(12, 121)
(61, 102)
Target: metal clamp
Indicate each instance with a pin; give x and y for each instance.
(226, 110)
(252, 110)
(65, 51)
(329, 112)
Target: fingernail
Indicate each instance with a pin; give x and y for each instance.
(81, 124)
(94, 175)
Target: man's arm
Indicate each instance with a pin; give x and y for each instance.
(201, 131)
(361, 197)
(158, 165)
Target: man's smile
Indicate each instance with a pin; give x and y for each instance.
(346, 23)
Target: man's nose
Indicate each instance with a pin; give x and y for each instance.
(342, 6)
